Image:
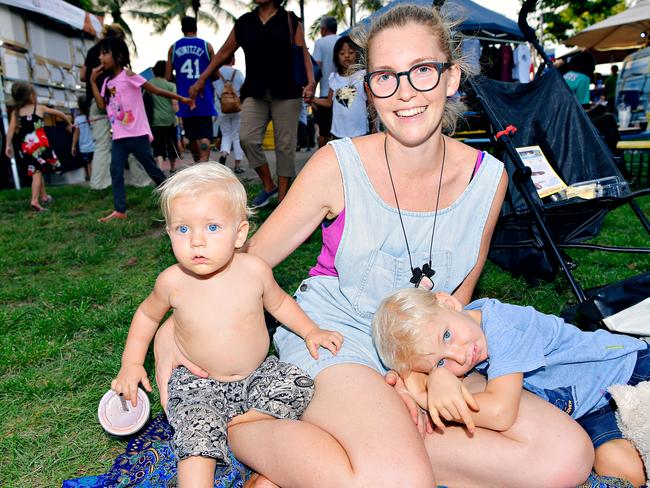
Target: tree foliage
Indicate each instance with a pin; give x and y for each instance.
(340, 10)
(160, 13)
(563, 18)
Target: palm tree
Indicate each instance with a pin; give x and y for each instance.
(113, 7)
(161, 12)
(340, 9)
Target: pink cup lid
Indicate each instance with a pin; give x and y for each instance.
(118, 416)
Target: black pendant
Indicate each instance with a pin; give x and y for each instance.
(422, 277)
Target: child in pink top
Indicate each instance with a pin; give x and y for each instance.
(122, 98)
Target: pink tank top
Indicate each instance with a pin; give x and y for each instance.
(333, 230)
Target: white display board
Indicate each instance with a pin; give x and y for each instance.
(12, 27)
(49, 44)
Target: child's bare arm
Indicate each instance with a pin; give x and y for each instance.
(416, 387)
(168, 94)
(499, 403)
(288, 312)
(143, 328)
(58, 114)
(9, 150)
(75, 139)
(324, 102)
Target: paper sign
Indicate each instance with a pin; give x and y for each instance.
(544, 177)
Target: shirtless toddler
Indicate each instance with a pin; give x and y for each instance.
(218, 299)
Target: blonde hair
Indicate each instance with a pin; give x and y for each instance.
(442, 29)
(206, 177)
(398, 325)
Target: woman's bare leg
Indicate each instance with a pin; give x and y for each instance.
(545, 448)
(356, 432)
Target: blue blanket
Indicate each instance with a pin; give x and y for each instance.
(150, 462)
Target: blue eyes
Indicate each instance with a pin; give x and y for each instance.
(446, 337)
(184, 229)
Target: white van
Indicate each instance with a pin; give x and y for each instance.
(633, 86)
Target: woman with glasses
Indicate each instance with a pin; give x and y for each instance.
(406, 207)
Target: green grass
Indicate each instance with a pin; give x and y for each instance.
(70, 286)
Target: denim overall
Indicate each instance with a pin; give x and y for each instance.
(372, 260)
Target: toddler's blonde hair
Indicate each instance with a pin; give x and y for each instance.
(205, 177)
(398, 326)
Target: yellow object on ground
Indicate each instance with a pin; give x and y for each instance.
(268, 142)
(633, 145)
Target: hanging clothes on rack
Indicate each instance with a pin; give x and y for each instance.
(521, 63)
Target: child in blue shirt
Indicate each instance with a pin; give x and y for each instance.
(417, 331)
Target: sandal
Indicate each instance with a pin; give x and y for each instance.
(37, 208)
(113, 215)
(238, 170)
(47, 200)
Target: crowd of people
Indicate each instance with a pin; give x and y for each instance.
(226, 111)
(329, 411)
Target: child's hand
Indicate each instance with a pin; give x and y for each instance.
(95, 73)
(448, 398)
(126, 383)
(188, 101)
(330, 340)
(9, 151)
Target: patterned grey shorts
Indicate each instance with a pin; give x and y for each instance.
(199, 409)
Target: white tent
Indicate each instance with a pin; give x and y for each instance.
(629, 29)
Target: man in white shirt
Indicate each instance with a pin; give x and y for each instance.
(324, 56)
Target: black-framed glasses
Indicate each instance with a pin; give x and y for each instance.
(423, 77)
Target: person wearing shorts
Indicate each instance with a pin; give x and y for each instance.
(277, 389)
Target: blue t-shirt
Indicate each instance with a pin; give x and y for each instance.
(569, 368)
(190, 57)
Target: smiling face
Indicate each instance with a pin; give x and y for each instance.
(205, 232)
(409, 115)
(452, 339)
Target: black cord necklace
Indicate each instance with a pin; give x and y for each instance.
(421, 277)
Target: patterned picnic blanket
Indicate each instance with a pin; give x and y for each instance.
(149, 462)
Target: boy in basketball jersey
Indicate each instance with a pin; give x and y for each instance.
(188, 57)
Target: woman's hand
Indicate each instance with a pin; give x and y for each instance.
(197, 89)
(9, 151)
(448, 398)
(168, 356)
(418, 415)
(95, 73)
(308, 92)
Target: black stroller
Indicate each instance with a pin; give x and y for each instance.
(532, 233)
